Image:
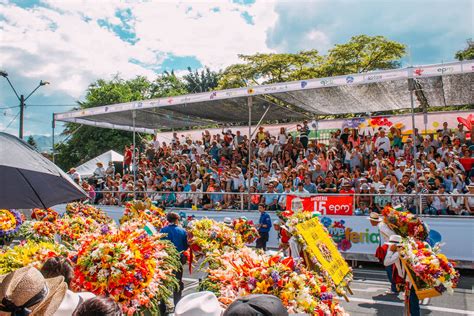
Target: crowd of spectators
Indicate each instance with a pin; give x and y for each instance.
(386, 166)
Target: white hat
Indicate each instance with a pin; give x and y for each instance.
(227, 220)
(70, 302)
(395, 240)
(198, 304)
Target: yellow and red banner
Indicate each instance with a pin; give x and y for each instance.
(319, 245)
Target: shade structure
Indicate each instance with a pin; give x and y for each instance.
(433, 86)
(87, 169)
(29, 180)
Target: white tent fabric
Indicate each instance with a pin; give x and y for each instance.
(434, 85)
(87, 169)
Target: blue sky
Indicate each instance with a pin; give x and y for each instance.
(73, 43)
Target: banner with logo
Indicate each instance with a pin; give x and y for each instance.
(327, 204)
(320, 246)
(355, 234)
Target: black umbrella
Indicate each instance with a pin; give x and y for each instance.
(29, 180)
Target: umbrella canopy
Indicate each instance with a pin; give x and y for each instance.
(29, 180)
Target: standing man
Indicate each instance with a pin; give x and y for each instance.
(264, 226)
(393, 258)
(179, 239)
(384, 236)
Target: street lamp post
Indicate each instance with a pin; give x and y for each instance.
(22, 99)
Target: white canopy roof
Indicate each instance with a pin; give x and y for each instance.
(87, 169)
(435, 85)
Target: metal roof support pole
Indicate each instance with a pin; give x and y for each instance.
(411, 87)
(134, 116)
(249, 101)
(53, 125)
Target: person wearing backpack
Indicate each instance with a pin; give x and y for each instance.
(384, 235)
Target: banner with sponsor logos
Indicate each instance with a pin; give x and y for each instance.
(320, 246)
(327, 204)
(355, 234)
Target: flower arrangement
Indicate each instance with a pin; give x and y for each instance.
(72, 229)
(88, 211)
(10, 222)
(30, 253)
(431, 268)
(47, 215)
(131, 267)
(301, 217)
(144, 212)
(405, 224)
(207, 235)
(246, 229)
(38, 231)
(246, 271)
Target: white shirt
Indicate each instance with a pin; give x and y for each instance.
(383, 143)
(393, 257)
(385, 231)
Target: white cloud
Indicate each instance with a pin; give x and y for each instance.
(315, 39)
(63, 42)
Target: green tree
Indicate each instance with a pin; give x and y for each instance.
(31, 141)
(467, 53)
(270, 68)
(86, 142)
(362, 53)
(203, 81)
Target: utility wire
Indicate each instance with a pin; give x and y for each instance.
(10, 123)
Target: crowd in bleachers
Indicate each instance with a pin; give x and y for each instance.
(386, 166)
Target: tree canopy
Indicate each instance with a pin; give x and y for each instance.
(361, 53)
(467, 53)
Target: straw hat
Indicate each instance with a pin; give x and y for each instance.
(27, 289)
(374, 217)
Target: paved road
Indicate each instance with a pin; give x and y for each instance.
(369, 286)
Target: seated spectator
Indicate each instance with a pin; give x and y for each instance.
(455, 203)
(380, 201)
(270, 199)
(469, 200)
(364, 202)
(98, 306)
(308, 185)
(300, 190)
(60, 266)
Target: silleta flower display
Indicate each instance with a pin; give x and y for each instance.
(141, 213)
(30, 253)
(405, 223)
(131, 267)
(47, 215)
(246, 271)
(428, 266)
(10, 221)
(246, 229)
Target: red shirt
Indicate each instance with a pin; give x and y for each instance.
(127, 157)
